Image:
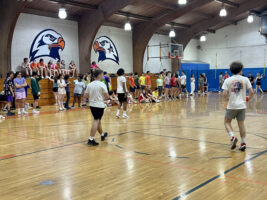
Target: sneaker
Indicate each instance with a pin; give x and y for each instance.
(2, 117)
(104, 137)
(38, 107)
(19, 112)
(10, 113)
(243, 147)
(117, 116)
(35, 112)
(61, 109)
(24, 112)
(233, 142)
(92, 143)
(4, 109)
(125, 116)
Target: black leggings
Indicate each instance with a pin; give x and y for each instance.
(68, 100)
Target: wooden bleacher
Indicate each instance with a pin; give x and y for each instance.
(47, 97)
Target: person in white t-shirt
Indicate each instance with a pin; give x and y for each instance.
(234, 93)
(122, 93)
(183, 82)
(97, 93)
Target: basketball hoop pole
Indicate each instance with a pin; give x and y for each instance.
(147, 53)
(160, 51)
(216, 65)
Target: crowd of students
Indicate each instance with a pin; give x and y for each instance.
(49, 69)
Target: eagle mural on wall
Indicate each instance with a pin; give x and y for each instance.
(47, 44)
(106, 49)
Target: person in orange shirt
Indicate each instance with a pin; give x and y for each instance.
(148, 80)
(42, 68)
(57, 68)
(34, 67)
(132, 84)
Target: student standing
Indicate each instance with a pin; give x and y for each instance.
(97, 93)
(137, 85)
(251, 79)
(20, 84)
(234, 93)
(66, 78)
(183, 82)
(173, 86)
(35, 91)
(193, 85)
(226, 75)
(258, 83)
(159, 82)
(9, 92)
(220, 82)
(132, 85)
(79, 87)
(167, 82)
(148, 80)
(143, 82)
(61, 91)
(122, 93)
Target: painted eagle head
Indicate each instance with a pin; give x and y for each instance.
(106, 49)
(47, 44)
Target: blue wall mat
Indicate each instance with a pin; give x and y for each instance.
(213, 75)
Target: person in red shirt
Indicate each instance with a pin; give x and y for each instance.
(132, 84)
(173, 86)
(226, 75)
(34, 67)
(148, 80)
(42, 68)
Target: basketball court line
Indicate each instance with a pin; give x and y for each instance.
(218, 176)
(134, 157)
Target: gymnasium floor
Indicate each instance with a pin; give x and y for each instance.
(170, 150)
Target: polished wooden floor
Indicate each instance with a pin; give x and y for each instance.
(169, 150)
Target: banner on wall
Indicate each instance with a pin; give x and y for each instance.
(106, 49)
(47, 43)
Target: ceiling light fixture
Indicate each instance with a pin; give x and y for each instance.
(172, 33)
(127, 25)
(62, 14)
(182, 2)
(223, 11)
(250, 18)
(203, 38)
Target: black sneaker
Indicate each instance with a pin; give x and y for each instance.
(92, 143)
(38, 107)
(104, 137)
(10, 114)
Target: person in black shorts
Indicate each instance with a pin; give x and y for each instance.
(137, 85)
(97, 93)
(258, 83)
(122, 93)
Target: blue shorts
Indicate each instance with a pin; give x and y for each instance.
(167, 86)
(132, 89)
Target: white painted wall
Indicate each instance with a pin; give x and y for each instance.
(28, 26)
(190, 52)
(123, 43)
(153, 64)
(235, 43)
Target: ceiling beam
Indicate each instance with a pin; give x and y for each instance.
(162, 4)
(48, 14)
(229, 3)
(76, 4)
(178, 25)
(131, 15)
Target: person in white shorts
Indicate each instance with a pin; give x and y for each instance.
(234, 92)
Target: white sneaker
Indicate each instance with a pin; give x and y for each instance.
(125, 116)
(2, 117)
(61, 109)
(24, 112)
(35, 112)
(19, 112)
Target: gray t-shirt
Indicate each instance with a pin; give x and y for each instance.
(79, 87)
